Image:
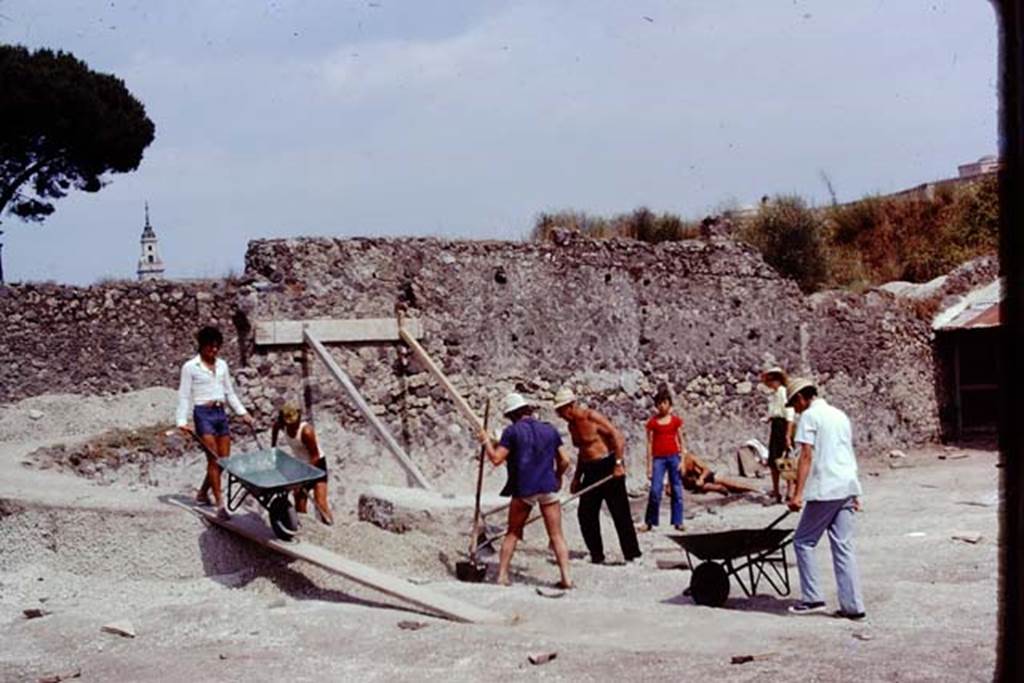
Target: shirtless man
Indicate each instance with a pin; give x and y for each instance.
(601, 453)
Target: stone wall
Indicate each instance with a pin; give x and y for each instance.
(614, 319)
(105, 338)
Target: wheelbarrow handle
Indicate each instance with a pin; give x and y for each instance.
(255, 435)
(206, 449)
(785, 514)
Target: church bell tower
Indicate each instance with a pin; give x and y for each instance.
(150, 265)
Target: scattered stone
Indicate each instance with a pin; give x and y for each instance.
(896, 453)
(863, 636)
(916, 534)
(34, 613)
(120, 628)
(971, 537)
(671, 564)
(898, 465)
(222, 656)
(743, 659)
(542, 657)
(277, 603)
(412, 625)
(63, 676)
(36, 414)
(547, 593)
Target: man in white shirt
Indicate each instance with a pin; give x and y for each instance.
(206, 387)
(827, 489)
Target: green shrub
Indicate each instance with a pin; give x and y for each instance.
(789, 236)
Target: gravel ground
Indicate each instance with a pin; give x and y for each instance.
(207, 606)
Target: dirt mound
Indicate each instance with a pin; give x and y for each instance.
(55, 416)
(112, 455)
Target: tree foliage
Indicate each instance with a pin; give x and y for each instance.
(64, 127)
(790, 237)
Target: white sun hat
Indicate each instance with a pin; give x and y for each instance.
(513, 402)
(564, 397)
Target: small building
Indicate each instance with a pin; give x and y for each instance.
(986, 164)
(967, 363)
(151, 267)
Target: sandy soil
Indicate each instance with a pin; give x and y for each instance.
(207, 606)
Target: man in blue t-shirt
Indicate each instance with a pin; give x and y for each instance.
(532, 449)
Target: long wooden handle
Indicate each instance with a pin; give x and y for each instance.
(534, 518)
(479, 487)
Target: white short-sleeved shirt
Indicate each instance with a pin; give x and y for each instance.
(833, 474)
(777, 405)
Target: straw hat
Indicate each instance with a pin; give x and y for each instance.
(773, 370)
(290, 414)
(564, 397)
(795, 386)
(514, 402)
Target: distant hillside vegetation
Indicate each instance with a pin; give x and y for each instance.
(849, 246)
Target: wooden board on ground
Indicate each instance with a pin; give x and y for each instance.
(334, 330)
(252, 527)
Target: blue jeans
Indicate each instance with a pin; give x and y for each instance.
(835, 516)
(659, 465)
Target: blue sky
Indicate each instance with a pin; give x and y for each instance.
(467, 118)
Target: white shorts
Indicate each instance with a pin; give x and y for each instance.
(540, 499)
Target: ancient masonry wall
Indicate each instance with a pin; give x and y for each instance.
(614, 319)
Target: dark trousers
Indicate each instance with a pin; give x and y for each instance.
(612, 492)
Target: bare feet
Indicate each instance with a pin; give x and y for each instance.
(644, 528)
(503, 581)
(202, 498)
(565, 585)
(325, 516)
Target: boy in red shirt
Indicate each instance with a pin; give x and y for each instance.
(664, 446)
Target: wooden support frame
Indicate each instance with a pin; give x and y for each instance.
(334, 331)
(408, 336)
(253, 528)
(413, 472)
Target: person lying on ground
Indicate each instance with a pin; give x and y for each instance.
(531, 450)
(301, 439)
(602, 453)
(699, 478)
(664, 446)
(206, 386)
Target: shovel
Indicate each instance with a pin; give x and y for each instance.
(471, 570)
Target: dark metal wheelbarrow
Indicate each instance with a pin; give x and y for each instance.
(747, 555)
(269, 476)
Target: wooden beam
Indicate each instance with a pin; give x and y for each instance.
(343, 379)
(333, 330)
(409, 338)
(252, 527)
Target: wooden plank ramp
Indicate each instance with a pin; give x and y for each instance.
(253, 528)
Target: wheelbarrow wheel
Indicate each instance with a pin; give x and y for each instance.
(709, 584)
(284, 522)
